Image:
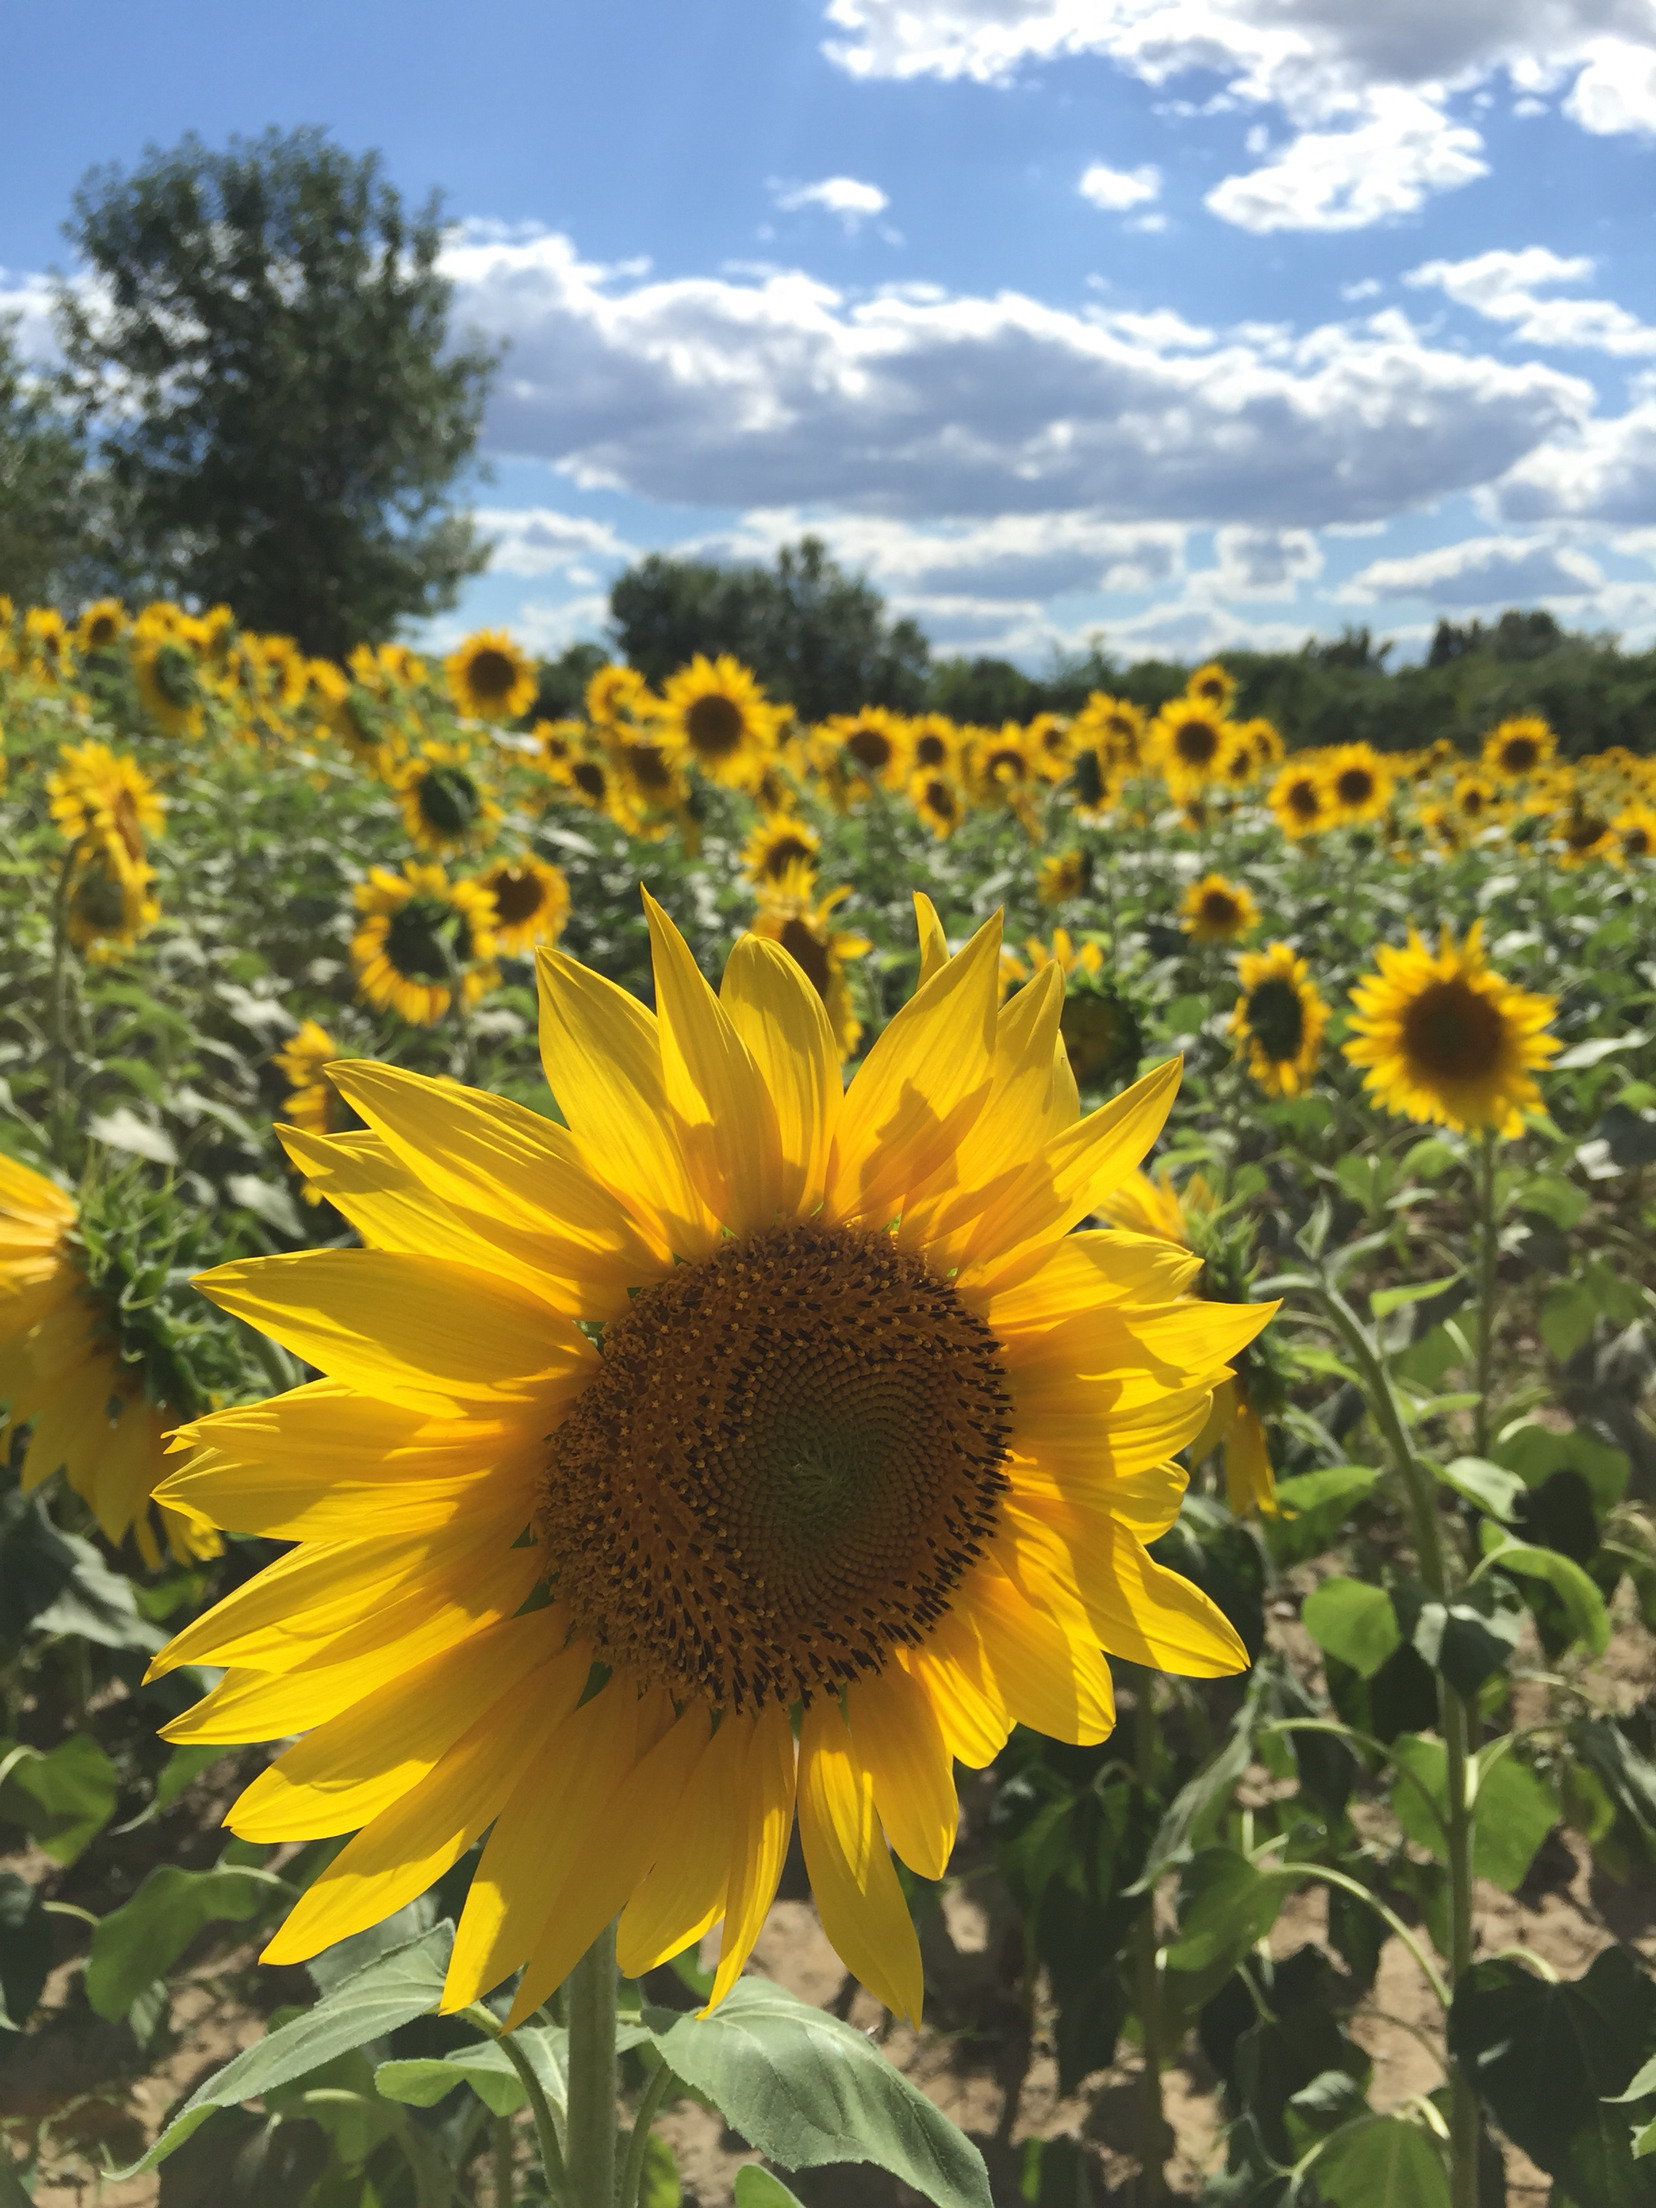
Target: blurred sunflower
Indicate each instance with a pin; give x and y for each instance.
(916, 1470)
(1000, 766)
(934, 744)
(1212, 685)
(63, 1376)
(168, 684)
(650, 775)
(1051, 741)
(1279, 1019)
(778, 843)
(312, 1103)
(871, 746)
(790, 914)
(1062, 875)
(1300, 801)
(1117, 726)
(1103, 1034)
(419, 934)
(618, 693)
(48, 644)
(446, 804)
(1582, 832)
(592, 779)
(718, 716)
(1187, 742)
(1516, 749)
(1475, 800)
(1266, 741)
(1633, 833)
(94, 791)
(531, 902)
(109, 905)
(939, 801)
(101, 625)
(1215, 910)
(489, 678)
(1445, 1040)
(1359, 784)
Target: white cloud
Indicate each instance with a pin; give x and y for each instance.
(1502, 287)
(778, 391)
(538, 540)
(1346, 76)
(549, 628)
(1481, 571)
(1388, 164)
(1115, 190)
(854, 202)
(26, 302)
(1597, 471)
(1261, 563)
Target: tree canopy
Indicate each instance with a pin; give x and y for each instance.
(263, 352)
(44, 487)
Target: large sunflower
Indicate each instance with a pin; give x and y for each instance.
(62, 1374)
(489, 678)
(1279, 1019)
(716, 714)
(531, 902)
(1215, 910)
(1444, 1039)
(734, 1402)
(420, 933)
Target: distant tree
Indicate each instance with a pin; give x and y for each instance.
(265, 351)
(815, 636)
(45, 490)
(562, 690)
(985, 691)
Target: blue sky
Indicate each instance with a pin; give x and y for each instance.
(1189, 322)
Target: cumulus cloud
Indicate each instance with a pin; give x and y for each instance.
(1503, 287)
(1354, 82)
(1480, 571)
(1262, 563)
(26, 303)
(1115, 190)
(1598, 471)
(538, 540)
(779, 391)
(846, 196)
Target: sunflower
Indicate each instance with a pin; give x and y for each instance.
(1062, 875)
(101, 626)
(591, 778)
(716, 714)
(1582, 832)
(445, 803)
(789, 914)
(938, 799)
(47, 644)
(1117, 727)
(489, 678)
(420, 932)
(871, 746)
(616, 693)
(63, 1376)
(311, 1103)
(1634, 834)
(1212, 685)
(109, 903)
(776, 845)
(1215, 910)
(1187, 742)
(1234, 1426)
(1279, 1019)
(654, 784)
(1103, 1034)
(1446, 1040)
(1300, 801)
(1475, 799)
(1142, 1206)
(531, 902)
(168, 680)
(934, 744)
(813, 1413)
(1514, 750)
(1266, 740)
(1001, 765)
(94, 791)
(1063, 952)
(1050, 739)
(1359, 784)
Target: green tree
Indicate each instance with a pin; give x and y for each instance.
(45, 491)
(265, 352)
(815, 636)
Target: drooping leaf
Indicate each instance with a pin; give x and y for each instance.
(1491, 1486)
(1584, 1605)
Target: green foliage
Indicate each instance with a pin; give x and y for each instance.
(46, 494)
(140, 1942)
(282, 416)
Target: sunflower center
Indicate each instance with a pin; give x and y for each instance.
(714, 724)
(1355, 786)
(491, 674)
(871, 749)
(1196, 743)
(1220, 909)
(590, 779)
(808, 952)
(416, 939)
(786, 851)
(1303, 800)
(518, 894)
(648, 766)
(793, 1452)
(1451, 1032)
(448, 800)
(930, 749)
(1520, 754)
(1276, 1017)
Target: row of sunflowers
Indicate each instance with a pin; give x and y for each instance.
(280, 940)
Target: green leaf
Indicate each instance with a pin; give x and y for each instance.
(25, 1950)
(122, 1129)
(1314, 1505)
(1225, 1905)
(659, 2185)
(1535, 1452)
(1567, 1318)
(1472, 1636)
(1354, 1621)
(1514, 1809)
(761, 2188)
(1381, 2162)
(1545, 2059)
(390, 1991)
(427, 2079)
(183, 1767)
(61, 1798)
(1200, 1798)
(1597, 1047)
(806, 2089)
(1641, 2087)
(140, 1941)
(1490, 1486)
(1387, 1300)
(1583, 1604)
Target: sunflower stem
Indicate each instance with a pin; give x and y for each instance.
(546, 2124)
(1489, 1253)
(505, 2187)
(638, 2143)
(1148, 1967)
(589, 2159)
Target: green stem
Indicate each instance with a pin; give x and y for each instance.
(546, 2124)
(1489, 1252)
(1148, 1967)
(590, 2157)
(638, 2144)
(58, 1005)
(505, 2187)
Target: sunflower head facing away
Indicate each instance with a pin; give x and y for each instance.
(110, 905)
(489, 678)
(419, 936)
(1516, 749)
(1215, 910)
(791, 914)
(742, 1449)
(1279, 1019)
(531, 902)
(1444, 1039)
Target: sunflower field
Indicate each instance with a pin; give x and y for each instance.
(859, 1463)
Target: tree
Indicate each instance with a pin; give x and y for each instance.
(814, 636)
(44, 488)
(264, 350)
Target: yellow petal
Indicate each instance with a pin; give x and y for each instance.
(1053, 1680)
(780, 1017)
(1149, 1615)
(759, 1839)
(1147, 1502)
(954, 1672)
(919, 1088)
(853, 1884)
(411, 1330)
(682, 1896)
(1086, 1269)
(934, 944)
(1179, 1342)
(602, 1056)
(727, 1123)
(899, 1740)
